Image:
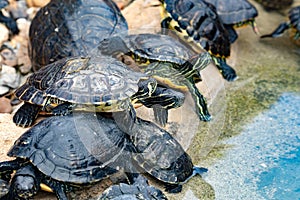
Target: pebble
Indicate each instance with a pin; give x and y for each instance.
(4, 34)
(5, 106)
(9, 79)
(36, 3)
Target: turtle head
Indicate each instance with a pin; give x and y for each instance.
(201, 61)
(24, 183)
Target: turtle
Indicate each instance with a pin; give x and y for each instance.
(176, 66)
(93, 83)
(9, 22)
(79, 149)
(55, 154)
(275, 4)
(72, 28)
(139, 190)
(234, 14)
(198, 22)
(293, 23)
(159, 154)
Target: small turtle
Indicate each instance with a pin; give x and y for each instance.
(139, 190)
(275, 4)
(199, 22)
(56, 152)
(160, 155)
(234, 14)
(171, 62)
(72, 28)
(9, 22)
(293, 23)
(101, 84)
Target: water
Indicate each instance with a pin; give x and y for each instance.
(264, 163)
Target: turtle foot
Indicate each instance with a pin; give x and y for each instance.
(173, 188)
(26, 115)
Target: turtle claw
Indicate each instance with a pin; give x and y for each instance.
(278, 31)
(26, 115)
(160, 114)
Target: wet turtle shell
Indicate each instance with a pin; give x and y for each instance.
(101, 81)
(72, 28)
(140, 189)
(275, 4)
(161, 155)
(68, 151)
(235, 13)
(199, 21)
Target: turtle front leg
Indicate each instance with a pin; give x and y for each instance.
(161, 100)
(26, 114)
(165, 25)
(278, 31)
(7, 167)
(227, 72)
(58, 188)
(200, 102)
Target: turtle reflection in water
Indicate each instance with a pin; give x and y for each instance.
(64, 153)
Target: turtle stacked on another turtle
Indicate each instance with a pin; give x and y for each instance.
(67, 152)
(234, 14)
(198, 21)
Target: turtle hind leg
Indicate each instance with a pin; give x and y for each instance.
(26, 114)
(7, 167)
(172, 188)
(227, 72)
(278, 31)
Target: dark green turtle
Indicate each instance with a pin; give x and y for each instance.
(160, 155)
(234, 14)
(167, 60)
(67, 152)
(56, 152)
(275, 4)
(72, 28)
(198, 21)
(139, 190)
(9, 22)
(293, 23)
(97, 84)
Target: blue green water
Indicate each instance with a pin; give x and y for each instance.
(283, 180)
(264, 162)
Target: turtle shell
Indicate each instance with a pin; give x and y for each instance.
(159, 154)
(158, 47)
(275, 4)
(81, 80)
(66, 149)
(234, 11)
(199, 21)
(72, 28)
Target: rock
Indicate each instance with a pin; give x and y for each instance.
(9, 57)
(5, 106)
(9, 78)
(36, 3)
(4, 34)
